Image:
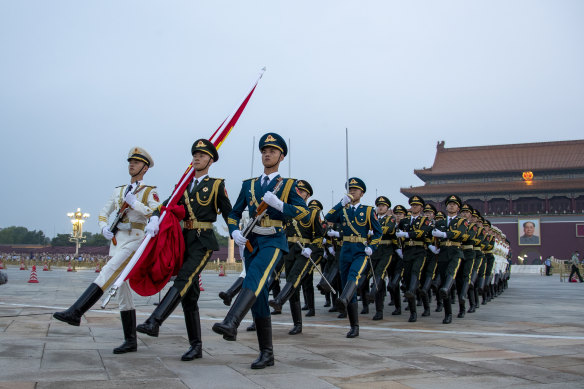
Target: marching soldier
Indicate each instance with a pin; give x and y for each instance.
(414, 230)
(450, 231)
(301, 244)
(394, 271)
(489, 263)
(478, 248)
(383, 256)
(142, 200)
(436, 280)
(204, 199)
(267, 241)
(317, 254)
(429, 270)
(357, 220)
(463, 277)
(334, 239)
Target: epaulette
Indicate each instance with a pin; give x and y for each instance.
(219, 179)
(120, 186)
(149, 186)
(249, 179)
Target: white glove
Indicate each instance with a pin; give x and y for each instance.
(333, 234)
(399, 252)
(345, 200)
(273, 201)
(368, 251)
(153, 226)
(434, 249)
(370, 233)
(331, 250)
(324, 255)
(238, 238)
(130, 199)
(438, 234)
(306, 252)
(107, 233)
(402, 234)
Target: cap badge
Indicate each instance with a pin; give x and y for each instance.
(270, 138)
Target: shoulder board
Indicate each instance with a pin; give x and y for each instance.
(249, 179)
(120, 186)
(149, 186)
(216, 179)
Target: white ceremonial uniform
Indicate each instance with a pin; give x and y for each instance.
(129, 236)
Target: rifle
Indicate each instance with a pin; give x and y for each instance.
(120, 215)
(318, 270)
(260, 213)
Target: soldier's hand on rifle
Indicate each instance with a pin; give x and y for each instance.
(438, 233)
(238, 238)
(434, 249)
(130, 199)
(306, 252)
(345, 200)
(399, 252)
(368, 251)
(107, 233)
(333, 233)
(370, 233)
(331, 250)
(153, 226)
(273, 201)
(402, 234)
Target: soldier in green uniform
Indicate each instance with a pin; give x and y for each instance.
(463, 276)
(203, 200)
(414, 231)
(450, 231)
(477, 246)
(429, 268)
(301, 244)
(489, 262)
(394, 271)
(317, 254)
(435, 285)
(383, 256)
(334, 244)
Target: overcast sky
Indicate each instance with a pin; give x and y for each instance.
(82, 82)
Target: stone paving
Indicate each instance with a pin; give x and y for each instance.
(532, 336)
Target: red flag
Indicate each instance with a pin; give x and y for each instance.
(162, 258)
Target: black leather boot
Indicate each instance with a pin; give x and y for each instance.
(476, 297)
(264, 332)
(462, 307)
(447, 311)
(411, 292)
(379, 297)
(242, 304)
(471, 300)
(234, 289)
(413, 313)
(163, 310)
(353, 320)
(327, 299)
(425, 289)
(439, 305)
(251, 327)
(283, 296)
(73, 314)
(296, 317)
(374, 289)
(333, 307)
(397, 301)
(129, 325)
(310, 301)
(346, 296)
(193, 323)
(426, 303)
(445, 290)
(305, 306)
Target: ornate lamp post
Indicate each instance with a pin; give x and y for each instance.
(77, 220)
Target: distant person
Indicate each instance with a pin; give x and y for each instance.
(529, 236)
(548, 266)
(575, 262)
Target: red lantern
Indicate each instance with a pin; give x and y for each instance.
(528, 176)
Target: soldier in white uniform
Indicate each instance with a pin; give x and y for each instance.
(142, 201)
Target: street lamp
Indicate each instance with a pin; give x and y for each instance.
(77, 220)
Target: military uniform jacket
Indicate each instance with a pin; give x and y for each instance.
(468, 239)
(310, 233)
(131, 227)
(418, 230)
(357, 223)
(388, 227)
(251, 196)
(454, 233)
(202, 205)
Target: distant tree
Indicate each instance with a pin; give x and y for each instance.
(21, 235)
(222, 240)
(62, 240)
(96, 240)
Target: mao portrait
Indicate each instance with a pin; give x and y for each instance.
(529, 232)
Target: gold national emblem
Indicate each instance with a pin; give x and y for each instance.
(200, 144)
(270, 139)
(353, 181)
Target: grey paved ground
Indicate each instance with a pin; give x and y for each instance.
(530, 337)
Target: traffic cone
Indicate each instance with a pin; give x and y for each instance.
(221, 271)
(98, 267)
(45, 268)
(70, 268)
(33, 276)
(22, 266)
(201, 283)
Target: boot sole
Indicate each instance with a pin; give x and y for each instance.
(73, 323)
(262, 366)
(143, 331)
(222, 331)
(125, 351)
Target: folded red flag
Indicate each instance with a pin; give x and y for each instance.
(162, 257)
